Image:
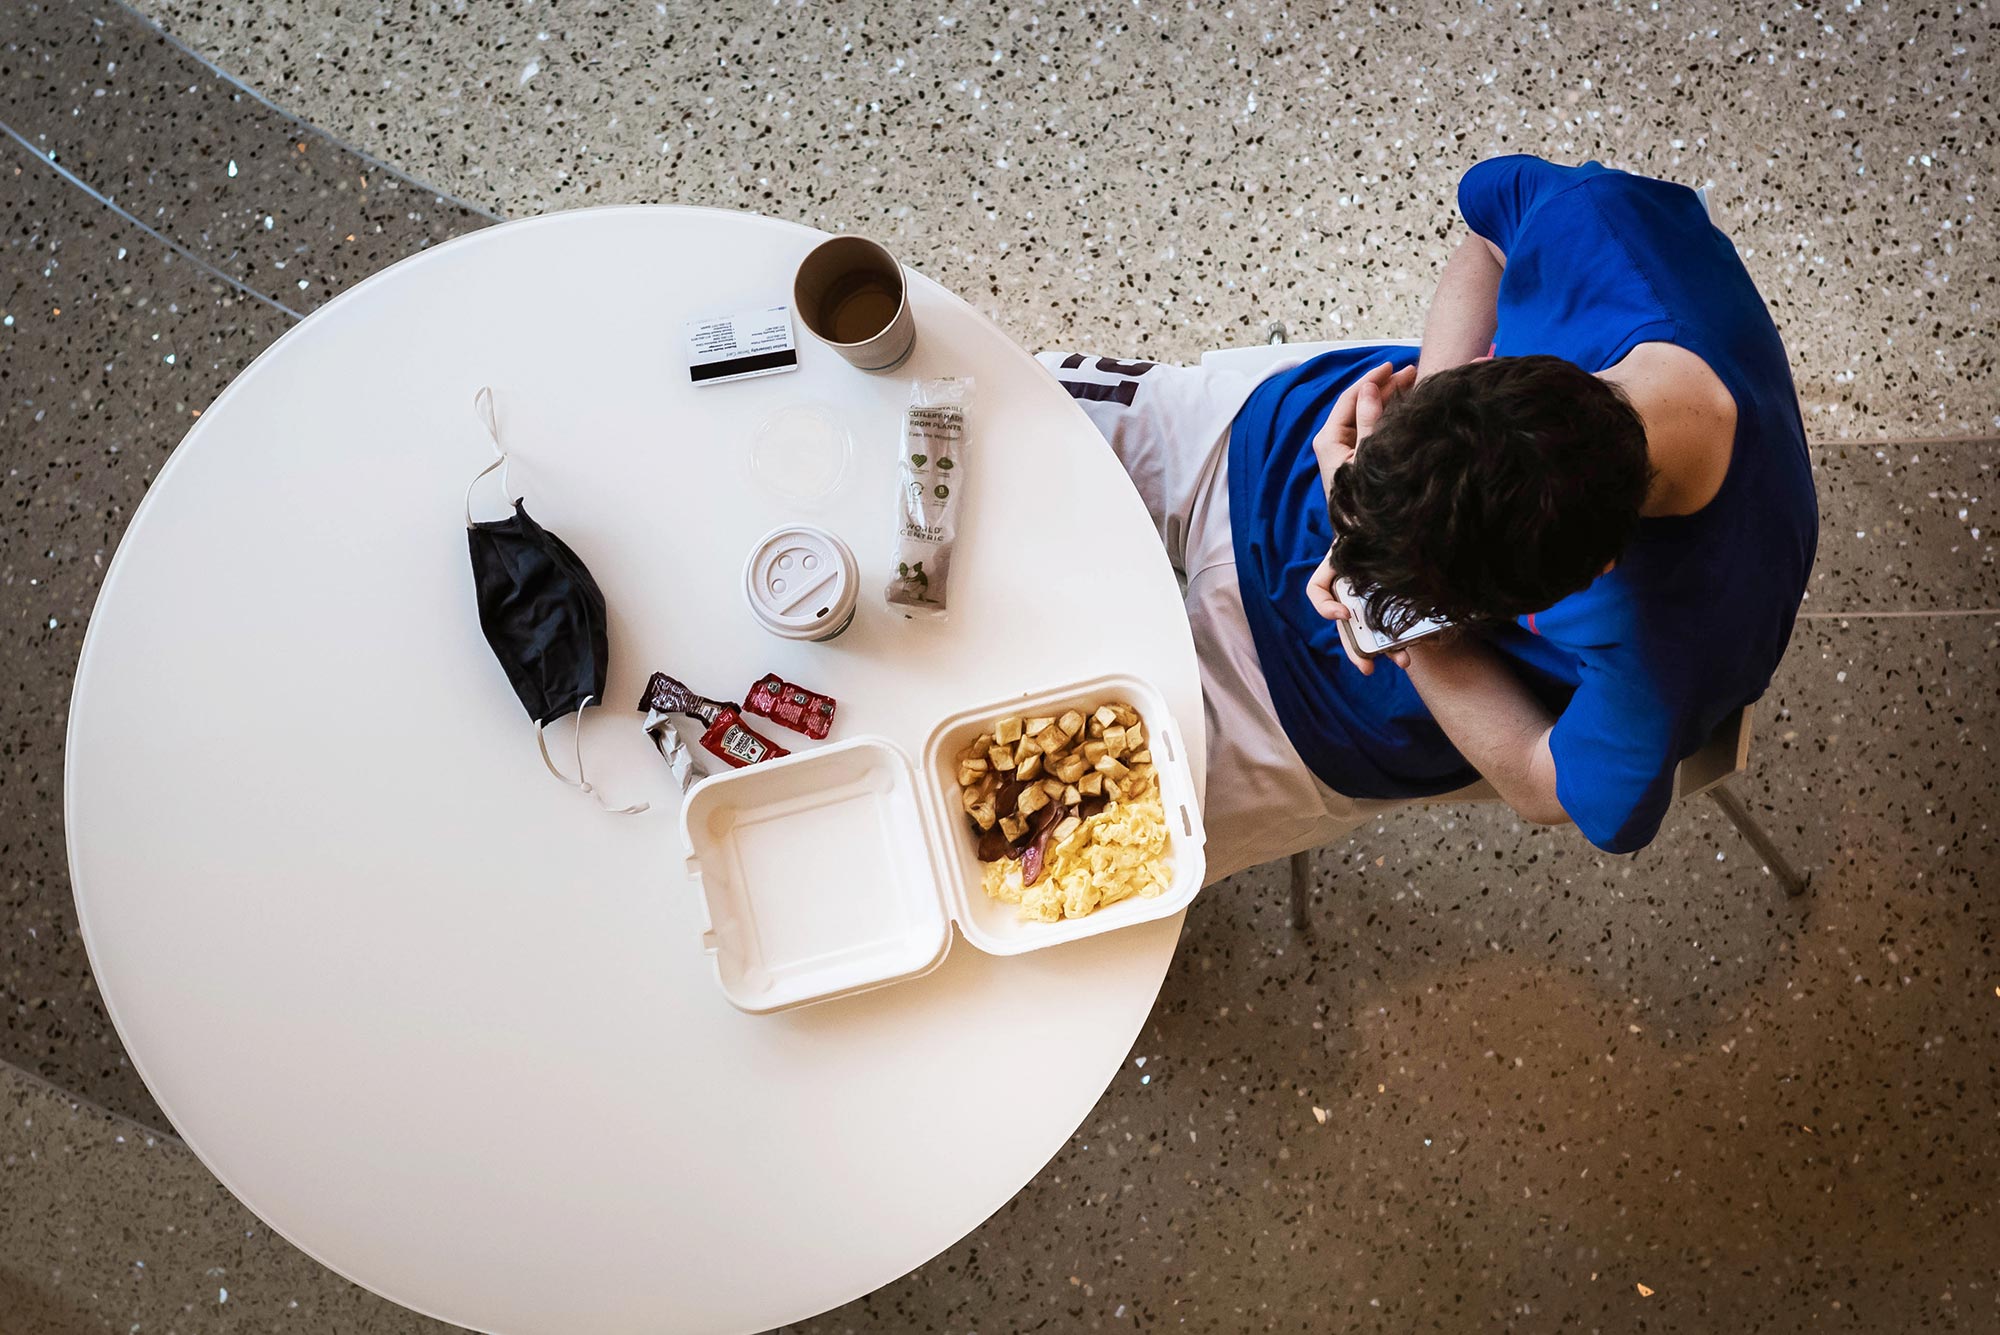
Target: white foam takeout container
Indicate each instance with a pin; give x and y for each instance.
(840, 869)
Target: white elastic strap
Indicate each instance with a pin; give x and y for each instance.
(579, 782)
(482, 404)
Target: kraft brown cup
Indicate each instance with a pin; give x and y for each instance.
(852, 295)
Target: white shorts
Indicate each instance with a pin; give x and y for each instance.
(1169, 427)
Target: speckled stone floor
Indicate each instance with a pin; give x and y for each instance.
(1168, 178)
(1503, 1081)
(114, 1226)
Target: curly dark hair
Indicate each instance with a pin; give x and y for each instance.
(1489, 491)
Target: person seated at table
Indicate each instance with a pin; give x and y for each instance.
(1615, 509)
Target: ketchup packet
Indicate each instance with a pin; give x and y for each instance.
(794, 707)
(728, 737)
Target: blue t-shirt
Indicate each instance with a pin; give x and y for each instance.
(1641, 666)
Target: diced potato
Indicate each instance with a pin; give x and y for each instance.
(1140, 758)
(1028, 768)
(1091, 784)
(968, 799)
(1051, 739)
(1002, 758)
(978, 764)
(1035, 725)
(966, 778)
(1113, 790)
(1026, 747)
(1007, 731)
(1071, 723)
(1093, 752)
(1032, 799)
(983, 815)
(1106, 715)
(1111, 767)
(1114, 740)
(1013, 827)
(1066, 827)
(1135, 735)
(1071, 795)
(1070, 768)
(1053, 787)
(1127, 715)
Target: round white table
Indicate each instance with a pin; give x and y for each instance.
(439, 1020)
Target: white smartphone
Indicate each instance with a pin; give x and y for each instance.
(1360, 633)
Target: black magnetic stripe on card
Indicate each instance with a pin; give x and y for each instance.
(744, 365)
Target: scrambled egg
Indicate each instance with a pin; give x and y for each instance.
(1120, 852)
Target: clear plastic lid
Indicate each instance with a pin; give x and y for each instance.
(800, 453)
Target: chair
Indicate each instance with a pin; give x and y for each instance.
(1725, 754)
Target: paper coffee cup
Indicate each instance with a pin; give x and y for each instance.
(851, 295)
(800, 582)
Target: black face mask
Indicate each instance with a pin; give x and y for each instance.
(542, 613)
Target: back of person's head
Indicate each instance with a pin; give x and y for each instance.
(1491, 490)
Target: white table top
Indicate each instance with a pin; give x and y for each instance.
(436, 1018)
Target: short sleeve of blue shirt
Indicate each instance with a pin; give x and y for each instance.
(1497, 196)
(1640, 667)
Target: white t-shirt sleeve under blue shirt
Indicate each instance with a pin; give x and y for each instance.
(1641, 666)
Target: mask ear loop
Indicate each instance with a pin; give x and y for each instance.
(579, 782)
(482, 404)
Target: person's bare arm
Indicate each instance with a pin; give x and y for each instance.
(1492, 720)
(1463, 312)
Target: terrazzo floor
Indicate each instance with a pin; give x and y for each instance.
(1503, 1081)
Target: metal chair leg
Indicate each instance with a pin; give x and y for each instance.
(1302, 875)
(1767, 848)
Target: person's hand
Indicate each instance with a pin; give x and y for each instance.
(1352, 421)
(1319, 591)
(1355, 414)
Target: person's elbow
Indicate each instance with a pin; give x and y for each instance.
(1540, 809)
(1532, 798)
(1535, 797)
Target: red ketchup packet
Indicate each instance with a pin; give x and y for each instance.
(728, 738)
(791, 706)
(734, 743)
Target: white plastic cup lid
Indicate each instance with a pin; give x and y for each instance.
(800, 582)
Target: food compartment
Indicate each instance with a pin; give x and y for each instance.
(818, 875)
(996, 926)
